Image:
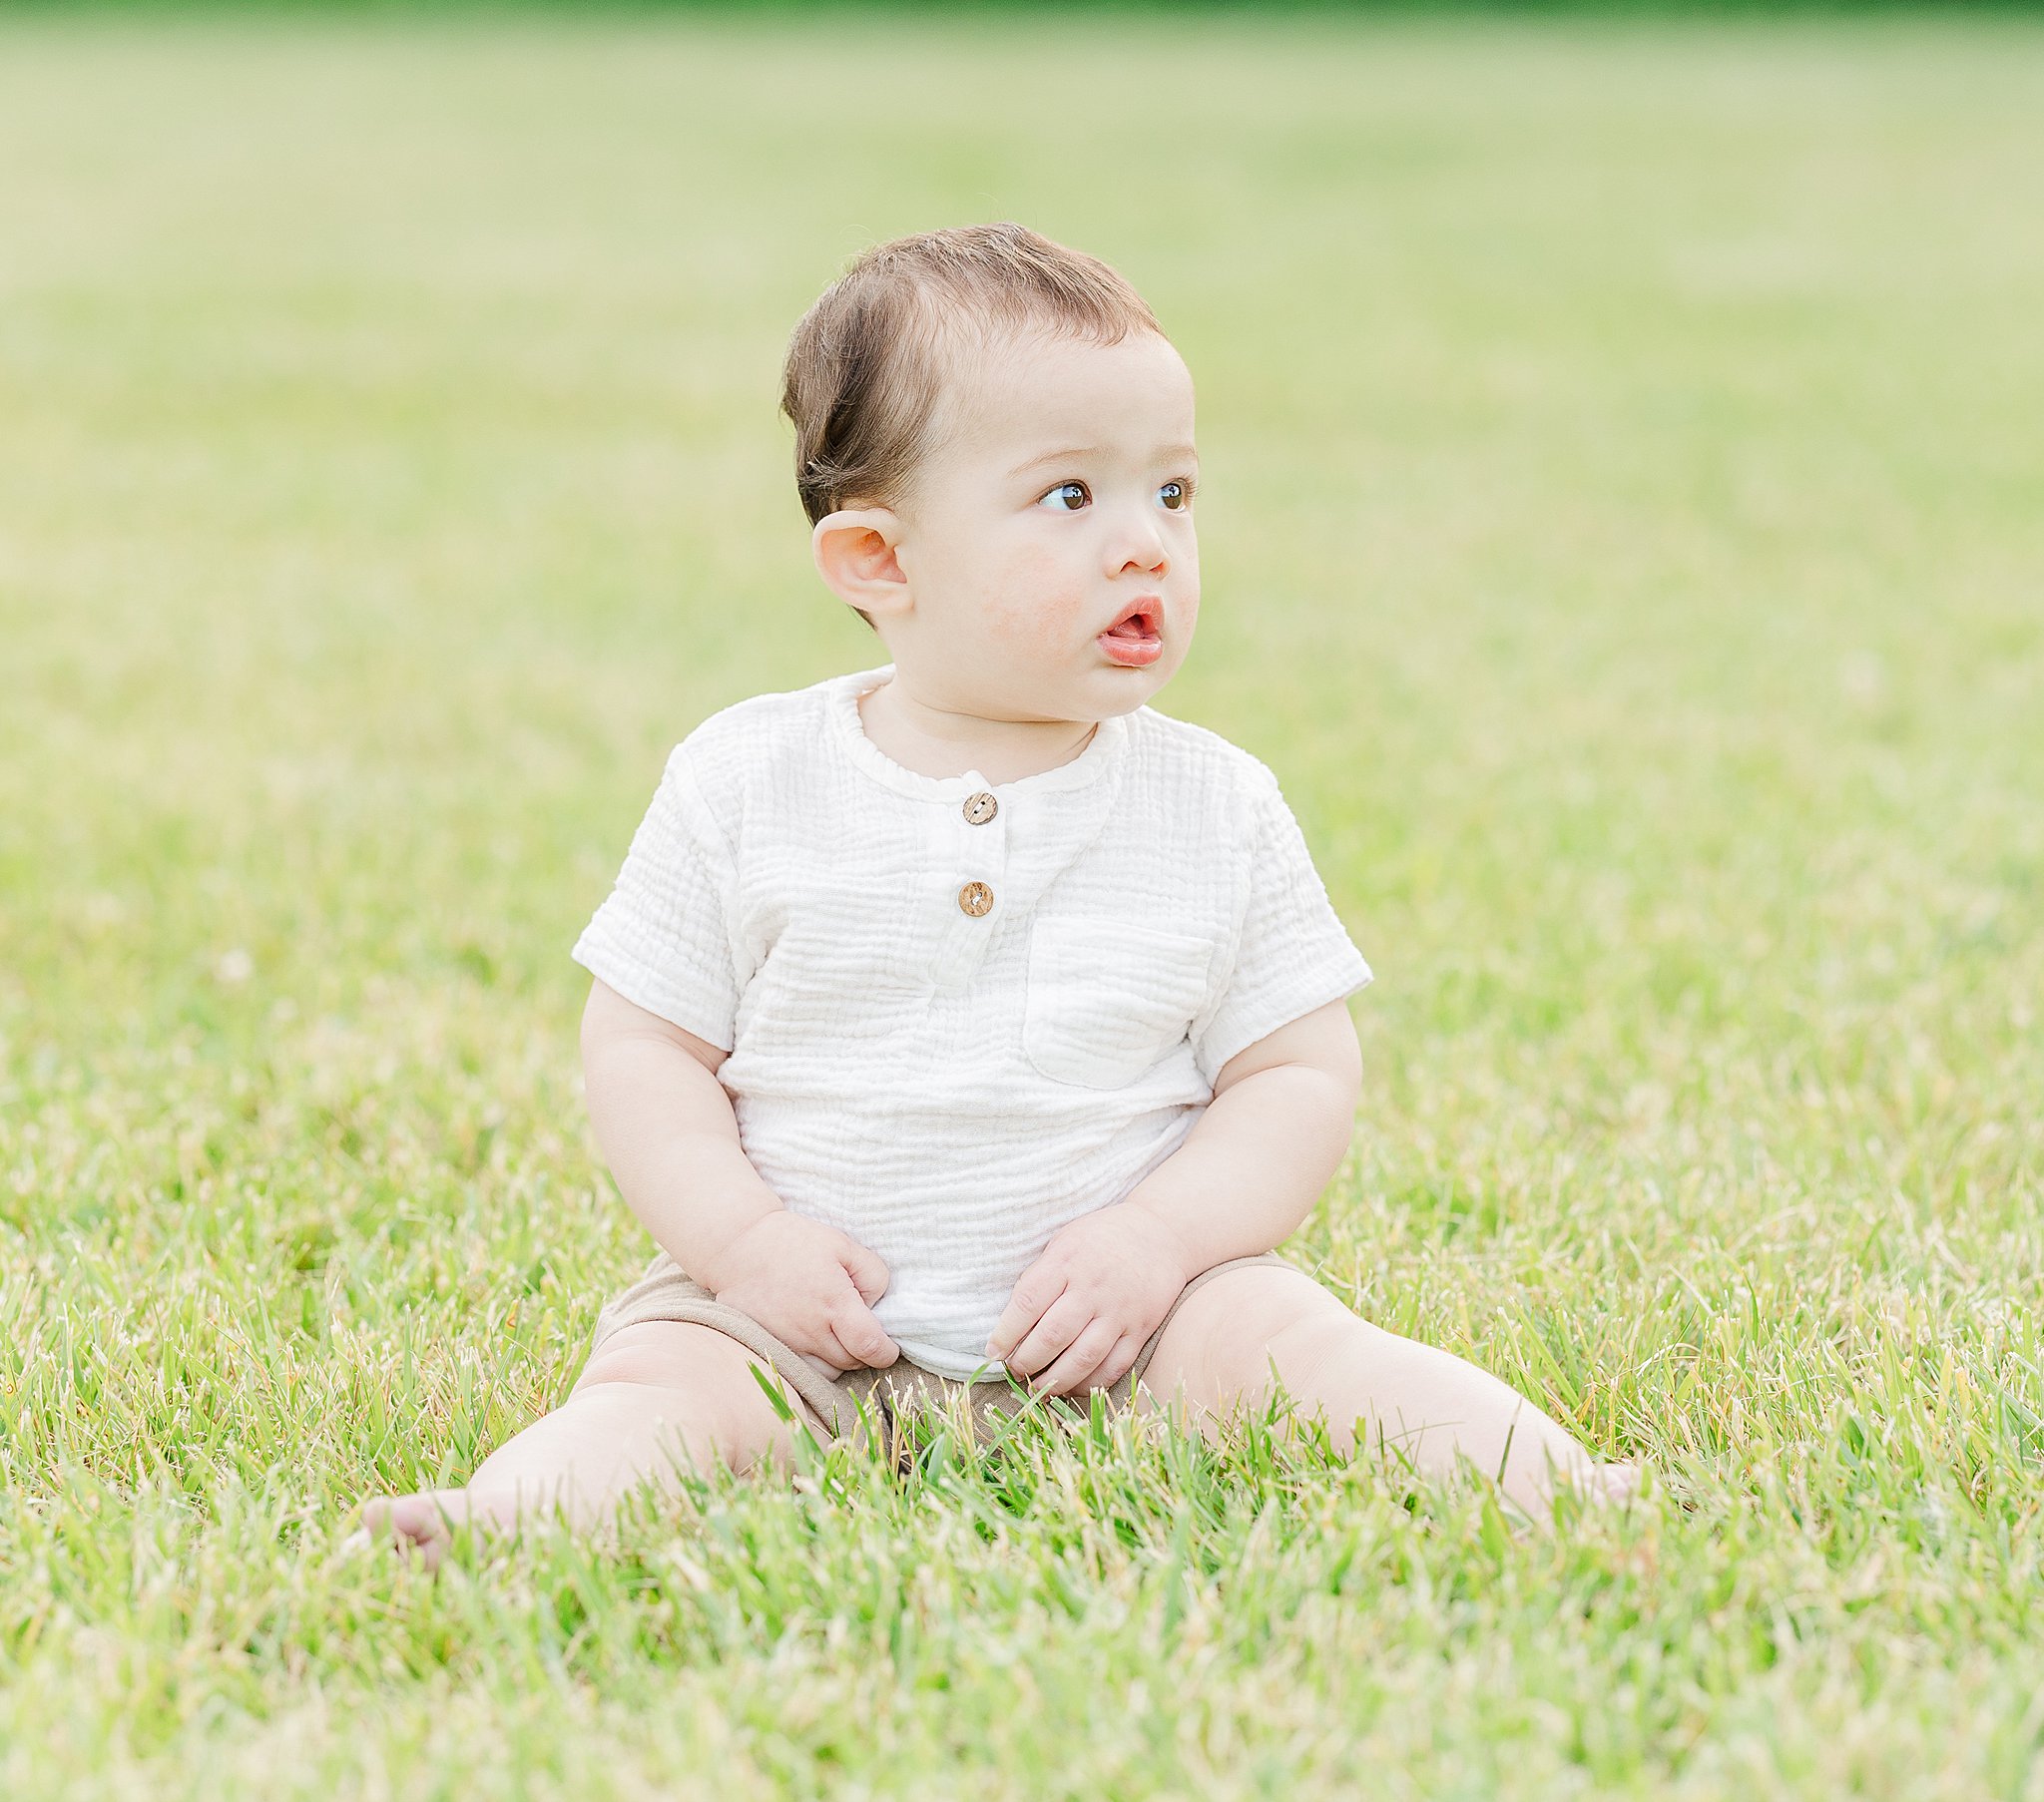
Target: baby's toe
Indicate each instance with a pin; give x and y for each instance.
(1618, 1483)
(417, 1526)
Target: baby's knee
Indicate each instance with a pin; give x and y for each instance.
(656, 1352)
(704, 1382)
(1259, 1315)
(1306, 1350)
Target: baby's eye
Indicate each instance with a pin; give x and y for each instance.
(1175, 496)
(1066, 497)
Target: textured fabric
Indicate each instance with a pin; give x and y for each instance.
(948, 1089)
(843, 1404)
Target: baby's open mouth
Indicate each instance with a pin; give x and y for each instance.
(1137, 637)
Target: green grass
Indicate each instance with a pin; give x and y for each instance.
(1623, 535)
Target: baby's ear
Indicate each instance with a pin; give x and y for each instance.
(854, 553)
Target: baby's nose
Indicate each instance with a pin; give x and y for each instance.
(1144, 552)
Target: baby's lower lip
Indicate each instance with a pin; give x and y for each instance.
(1136, 649)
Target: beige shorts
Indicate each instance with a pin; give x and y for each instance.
(666, 1292)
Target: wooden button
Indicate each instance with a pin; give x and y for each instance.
(975, 898)
(981, 807)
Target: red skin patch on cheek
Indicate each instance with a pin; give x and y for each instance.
(1037, 610)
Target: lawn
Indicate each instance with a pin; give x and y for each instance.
(1622, 529)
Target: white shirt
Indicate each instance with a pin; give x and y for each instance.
(949, 1087)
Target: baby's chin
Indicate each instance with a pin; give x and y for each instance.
(1137, 696)
(1104, 691)
(1105, 700)
(1120, 689)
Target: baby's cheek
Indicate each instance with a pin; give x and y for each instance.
(1041, 611)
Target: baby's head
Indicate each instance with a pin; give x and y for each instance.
(995, 446)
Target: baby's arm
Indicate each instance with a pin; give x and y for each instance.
(1255, 1162)
(667, 1129)
(1246, 1174)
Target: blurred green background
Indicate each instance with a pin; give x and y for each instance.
(1622, 523)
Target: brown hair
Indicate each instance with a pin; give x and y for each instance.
(866, 365)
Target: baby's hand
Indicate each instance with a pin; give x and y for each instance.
(1082, 1311)
(810, 1286)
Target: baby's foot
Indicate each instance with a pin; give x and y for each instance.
(1615, 1484)
(422, 1526)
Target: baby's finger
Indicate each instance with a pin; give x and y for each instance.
(864, 1337)
(825, 1348)
(869, 1274)
(1074, 1371)
(1118, 1363)
(842, 1357)
(1036, 1291)
(1064, 1320)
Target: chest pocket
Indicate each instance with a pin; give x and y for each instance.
(1107, 1000)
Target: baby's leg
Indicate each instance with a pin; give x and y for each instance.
(653, 1395)
(1416, 1401)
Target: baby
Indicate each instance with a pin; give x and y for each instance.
(962, 1028)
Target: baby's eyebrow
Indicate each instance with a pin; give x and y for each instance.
(1165, 453)
(1055, 456)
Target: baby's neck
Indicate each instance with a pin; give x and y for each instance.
(933, 742)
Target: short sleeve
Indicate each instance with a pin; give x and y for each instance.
(663, 938)
(1292, 954)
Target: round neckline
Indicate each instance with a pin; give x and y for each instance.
(1101, 751)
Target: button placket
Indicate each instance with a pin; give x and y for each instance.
(985, 847)
(977, 841)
